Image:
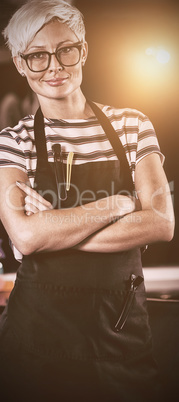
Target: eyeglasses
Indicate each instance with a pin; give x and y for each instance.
(67, 56)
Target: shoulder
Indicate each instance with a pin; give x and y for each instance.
(24, 128)
(127, 113)
(114, 113)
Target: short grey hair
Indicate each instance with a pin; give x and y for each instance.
(33, 15)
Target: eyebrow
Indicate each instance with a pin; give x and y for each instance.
(44, 47)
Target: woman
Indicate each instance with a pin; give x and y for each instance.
(76, 324)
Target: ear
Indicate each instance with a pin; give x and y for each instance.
(18, 63)
(84, 53)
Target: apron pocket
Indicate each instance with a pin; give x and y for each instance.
(77, 323)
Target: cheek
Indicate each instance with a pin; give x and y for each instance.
(77, 73)
(33, 79)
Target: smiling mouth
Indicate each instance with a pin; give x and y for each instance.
(56, 81)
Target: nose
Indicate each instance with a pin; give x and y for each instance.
(54, 63)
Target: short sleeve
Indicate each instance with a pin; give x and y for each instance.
(11, 153)
(147, 140)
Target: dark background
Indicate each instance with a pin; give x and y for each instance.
(118, 72)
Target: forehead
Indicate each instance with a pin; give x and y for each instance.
(53, 33)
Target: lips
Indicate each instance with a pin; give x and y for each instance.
(56, 81)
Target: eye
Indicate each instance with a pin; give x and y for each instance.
(66, 49)
(37, 56)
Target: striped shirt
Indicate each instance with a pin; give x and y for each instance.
(86, 138)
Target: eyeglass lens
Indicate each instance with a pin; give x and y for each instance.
(67, 56)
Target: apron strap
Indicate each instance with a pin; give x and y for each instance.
(40, 140)
(114, 140)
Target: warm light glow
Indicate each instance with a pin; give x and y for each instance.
(146, 68)
(161, 55)
(150, 66)
(150, 51)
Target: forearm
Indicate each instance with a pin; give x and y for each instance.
(60, 229)
(134, 230)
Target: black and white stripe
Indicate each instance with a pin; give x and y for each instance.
(85, 138)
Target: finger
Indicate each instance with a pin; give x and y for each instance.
(125, 204)
(31, 208)
(31, 192)
(29, 213)
(35, 204)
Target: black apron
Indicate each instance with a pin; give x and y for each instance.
(78, 320)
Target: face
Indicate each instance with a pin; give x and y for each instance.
(56, 82)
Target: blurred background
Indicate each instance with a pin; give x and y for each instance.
(133, 62)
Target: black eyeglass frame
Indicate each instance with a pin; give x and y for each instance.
(78, 45)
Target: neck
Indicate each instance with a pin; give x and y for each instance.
(74, 107)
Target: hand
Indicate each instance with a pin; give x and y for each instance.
(137, 203)
(119, 205)
(33, 201)
(124, 204)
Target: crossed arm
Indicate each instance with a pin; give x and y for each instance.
(39, 228)
(153, 223)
